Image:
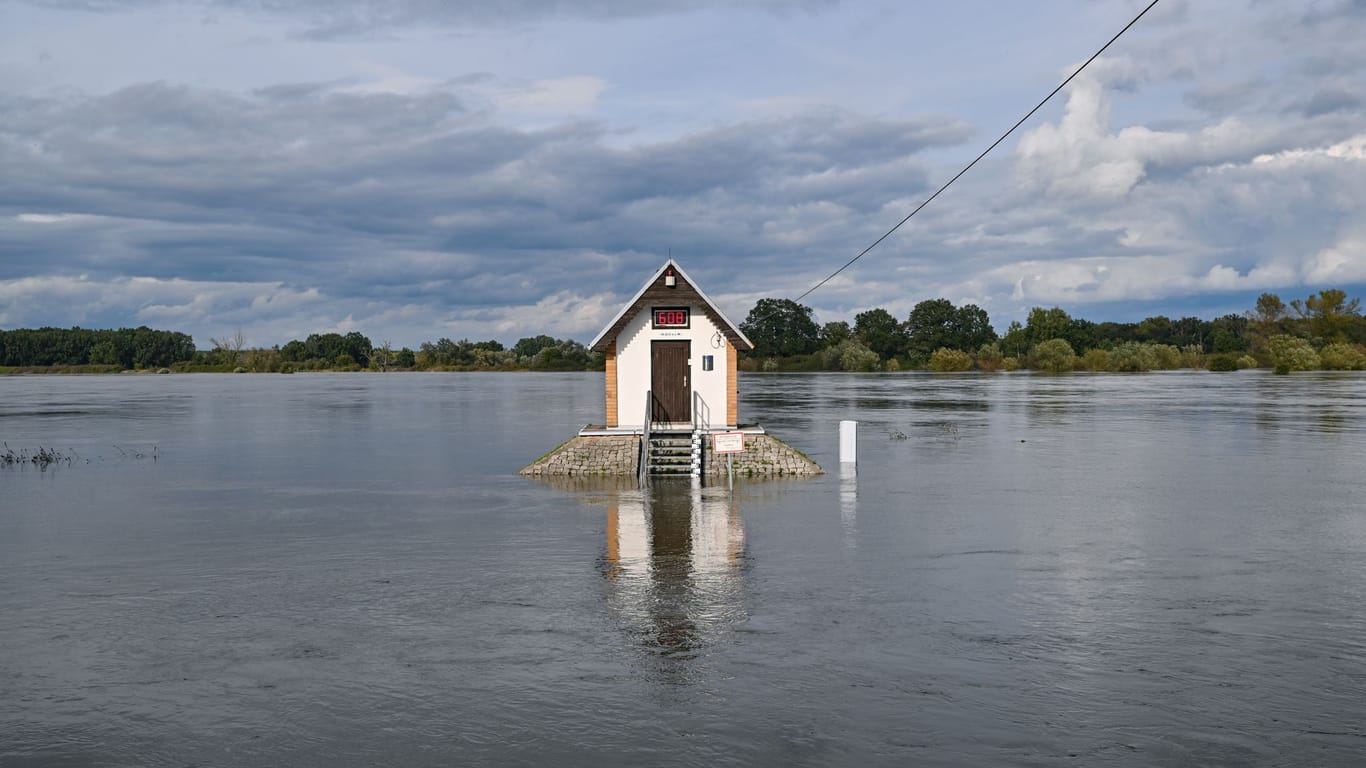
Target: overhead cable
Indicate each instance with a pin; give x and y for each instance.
(985, 152)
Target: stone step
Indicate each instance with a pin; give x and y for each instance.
(671, 464)
(673, 453)
(682, 465)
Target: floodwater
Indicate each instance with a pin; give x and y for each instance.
(1165, 569)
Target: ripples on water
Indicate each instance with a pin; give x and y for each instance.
(1164, 569)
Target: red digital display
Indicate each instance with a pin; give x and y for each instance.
(671, 317)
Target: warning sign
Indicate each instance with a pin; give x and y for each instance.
(728, 442)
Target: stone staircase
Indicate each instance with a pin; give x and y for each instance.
(676, 453)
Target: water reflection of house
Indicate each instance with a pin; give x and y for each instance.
(674, 561)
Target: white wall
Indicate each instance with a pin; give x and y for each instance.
(633, 367)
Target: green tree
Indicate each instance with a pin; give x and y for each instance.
(1190, 330)
(1046, 324)
(1265, 320)
(973, 328)
(103, 353)
(781, 327)
(1228, 334)
(294, 352)
(1329, 313)
(564, 355)
(1108, 334)
(932, 324)
(835, 333)
(1016, 341)
(880, 332)
(1156, 329)
(358, 346)
(531, 345)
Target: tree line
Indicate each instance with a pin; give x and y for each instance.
(124, 348)
(1324, 331)
(81, 349)
(355, 351)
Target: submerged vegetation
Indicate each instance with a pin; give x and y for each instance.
(1326, 331)
(42, 458)
(47, 458)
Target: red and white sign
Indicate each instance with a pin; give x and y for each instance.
(728, 442)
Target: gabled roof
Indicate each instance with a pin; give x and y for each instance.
(654, 292)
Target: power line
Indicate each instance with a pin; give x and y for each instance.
(985, 152)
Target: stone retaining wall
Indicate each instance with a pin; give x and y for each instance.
(590, 455)
(764, 456)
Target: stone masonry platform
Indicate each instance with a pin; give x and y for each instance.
(605, 455)
(764, 456)
(590, 455)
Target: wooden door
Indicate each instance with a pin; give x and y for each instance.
(671, 380)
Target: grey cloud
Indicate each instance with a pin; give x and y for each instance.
(312, 185)
(325, 19)
(1220, 98)
(1331, 99)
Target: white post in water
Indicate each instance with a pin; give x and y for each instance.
(849, 442)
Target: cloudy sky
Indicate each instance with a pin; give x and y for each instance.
(414, 169)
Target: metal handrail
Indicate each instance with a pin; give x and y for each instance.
(701, 413)
(643, 465)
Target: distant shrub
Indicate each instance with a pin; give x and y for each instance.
(856, 357)
(1010, 363)
(1227, 361)
(947, 360)
(770, 365)
(1096, 360)
(811, 363)
(1132, 357)
(1247, 361)
(989, 357)
(893, 365)
(1193, 356)
(1342, 357)
(1168, 357)
(1289, 353)
(1054, 355)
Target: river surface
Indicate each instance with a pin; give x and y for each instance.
(1164, 569)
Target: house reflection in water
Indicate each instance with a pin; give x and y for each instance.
(675, 564)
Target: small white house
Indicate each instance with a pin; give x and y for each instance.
(672, 347)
